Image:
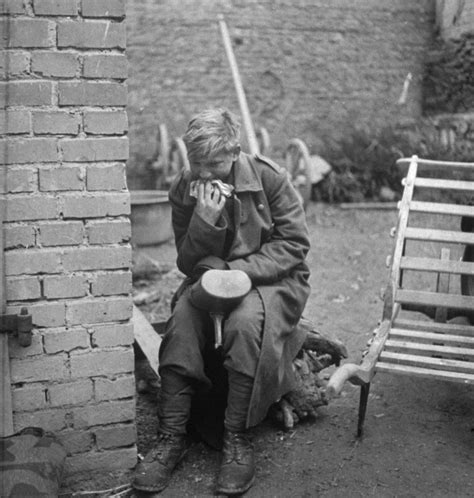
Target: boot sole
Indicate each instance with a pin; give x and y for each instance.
(230, 492)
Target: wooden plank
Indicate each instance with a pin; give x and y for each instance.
(429, 349)
(402, 224)
(463, 378)
(147, 338)
(437, 265)
(434, 235)
(454, 301)
(453, 340)
(435, 163)
(6, 411)
(442, 286)
(441, 208)
(441, 328)
(441, 183)
(428, 362)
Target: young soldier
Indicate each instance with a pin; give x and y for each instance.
(240, 212)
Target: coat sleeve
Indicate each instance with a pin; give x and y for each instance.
(194, 237)
(289, 244)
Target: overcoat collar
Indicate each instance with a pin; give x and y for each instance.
(246, 177)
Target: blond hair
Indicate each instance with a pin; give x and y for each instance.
(212, 132)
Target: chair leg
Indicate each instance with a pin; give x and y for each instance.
(364, 396)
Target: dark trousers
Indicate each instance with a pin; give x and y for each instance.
(182, 369)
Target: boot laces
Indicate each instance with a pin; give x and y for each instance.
(237, 447)
(166, 444)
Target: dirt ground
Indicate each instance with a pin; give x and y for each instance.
(419, 434)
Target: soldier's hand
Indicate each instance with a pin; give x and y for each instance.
(210, 202)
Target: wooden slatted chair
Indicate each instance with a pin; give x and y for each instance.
(429, 301)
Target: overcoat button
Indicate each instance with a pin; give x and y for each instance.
(260, 207)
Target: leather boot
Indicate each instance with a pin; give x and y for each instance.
(237, 472)
(154, 472)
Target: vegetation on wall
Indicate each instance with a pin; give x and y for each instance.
(448, 85)
(364, 164)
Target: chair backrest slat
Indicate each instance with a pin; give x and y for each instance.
(435, 235)
(436, 299)
(436, 183)
(437, 265)
(440, 208)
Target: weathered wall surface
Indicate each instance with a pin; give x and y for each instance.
(311, 68)
(64, 147)
(454, 18)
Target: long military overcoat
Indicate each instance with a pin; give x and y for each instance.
(270, 242)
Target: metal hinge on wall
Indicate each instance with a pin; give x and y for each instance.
(21, 325)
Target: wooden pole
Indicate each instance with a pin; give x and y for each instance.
(244, 110)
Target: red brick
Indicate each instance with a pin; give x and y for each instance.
(71, 393)
(23, 208)
(59, 64)
(31, 150)
(96, 206)
(76, 441)
(95, 363)
(15, 350)
(97, 258)
(94, 149)
(105, 66)
(105, 122)
(65, 286)
(118, 387)
(109, 284)
(56, 122)
(61, 178)
(104, 413)
(42, 368)
(22, 179)
(49, 420)
(113, 459)
(92, 93)
(115, 437)
(30, 33)
(108, 232)
(26, 93)
(12, 7)
(103, 8)
(28, 398)
(14, 63)
(60, 233)
(14, 122)
(32, 261)
(99, 310)
(65, 340)
(106, 336)
(19, 236)
(23, 288)
(55, 7)
(106, 177)
(44, 314)
(91, 34)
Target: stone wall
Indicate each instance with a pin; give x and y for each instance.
(312, 69)
(66, 224)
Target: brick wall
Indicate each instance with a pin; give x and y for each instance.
(454, 18)
(311, 69)
(67, 231)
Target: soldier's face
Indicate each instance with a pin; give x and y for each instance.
(217, 167)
